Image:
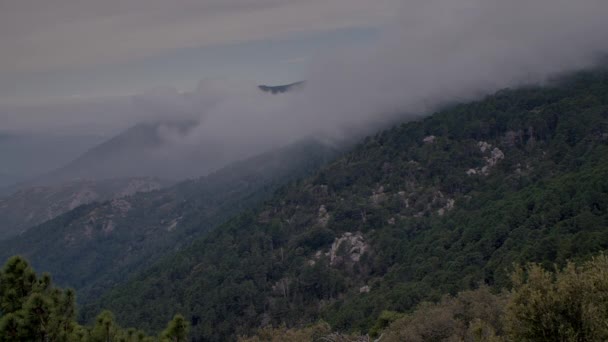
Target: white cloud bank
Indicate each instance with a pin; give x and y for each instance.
(436, 51)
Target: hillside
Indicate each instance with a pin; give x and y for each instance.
(31, 206)
(95, 246)
(139, 151)
(150, 149)
(423, 209)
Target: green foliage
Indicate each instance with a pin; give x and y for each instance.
(471, 316)
(427, 225)
(568, 305)
(385, 319)
(33, 309)
(320, 331)
(95, 246)
(177, 330)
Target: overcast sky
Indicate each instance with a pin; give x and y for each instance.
(97, 67)
(68, 48)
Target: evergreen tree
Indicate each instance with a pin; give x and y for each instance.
(177, 330)
(32, 309)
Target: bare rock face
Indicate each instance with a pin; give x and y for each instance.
(484, 146)
(347, 248)
(378, 196)
(495, 155)
(173, 224)
(450, 203)
(429, 140)
(79, 198)
(323, 219)
(121, 205)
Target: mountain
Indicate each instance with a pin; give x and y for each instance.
(26, 155)
(282, 88)
(31, 206)
(96, 246)
(150, 149)
(140, 151)
(424, 209)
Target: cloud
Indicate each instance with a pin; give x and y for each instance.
(296, 60)
(62, 34)
(437, 51)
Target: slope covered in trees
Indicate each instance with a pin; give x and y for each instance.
(570, 304)
(96, 246)
(424, 209)
(32, 206)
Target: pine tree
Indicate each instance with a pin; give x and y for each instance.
(32, 309)
(177, 330)
(17, 280)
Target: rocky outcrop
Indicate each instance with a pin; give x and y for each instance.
(173, 224)
(323, 217)
(347, 248)
(378, 196)
(122, 206)
(448, 207)
(429, 140)
(493, 156)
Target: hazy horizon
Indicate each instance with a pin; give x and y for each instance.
(366, 64)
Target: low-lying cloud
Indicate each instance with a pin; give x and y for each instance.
(437, 51)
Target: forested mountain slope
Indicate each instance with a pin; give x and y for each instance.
(417, 211)
(95, 246)
(32, 206)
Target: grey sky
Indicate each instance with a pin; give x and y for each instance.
(57, 41)
(428, 51)
(423, 53)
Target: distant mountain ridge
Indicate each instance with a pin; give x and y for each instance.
(136, 152)
(98, 245)
(147, 149)
(31, 206)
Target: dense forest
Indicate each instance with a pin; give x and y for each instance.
(105, 242)
(424, 209)
(566, 305)
(416, 234)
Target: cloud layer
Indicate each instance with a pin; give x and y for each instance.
(434, 52)
(437, 51)
(46, 35)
